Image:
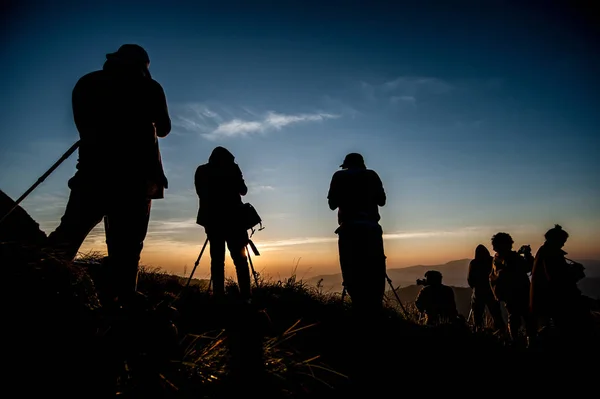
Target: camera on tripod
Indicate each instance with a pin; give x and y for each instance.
(431, 276)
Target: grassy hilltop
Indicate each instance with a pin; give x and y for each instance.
(294, 341)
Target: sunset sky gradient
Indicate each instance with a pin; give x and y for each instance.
(478, 119)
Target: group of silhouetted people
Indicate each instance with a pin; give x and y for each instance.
(537, 292)
(121, 111)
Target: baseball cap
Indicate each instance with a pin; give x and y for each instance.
(130, 52)
(353, 159)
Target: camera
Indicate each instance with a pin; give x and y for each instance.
(422, 281)
(525, 249)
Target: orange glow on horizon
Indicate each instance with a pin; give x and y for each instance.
(306, 259)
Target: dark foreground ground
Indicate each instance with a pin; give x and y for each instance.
(292, 342)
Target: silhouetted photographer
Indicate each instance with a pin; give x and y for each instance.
(220, 186)
(120, 112)
(436, 300)
(357, 193)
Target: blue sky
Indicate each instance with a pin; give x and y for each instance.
(480, 117)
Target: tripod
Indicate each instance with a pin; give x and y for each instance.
(389, 281)
(189, 280)
(66, 155)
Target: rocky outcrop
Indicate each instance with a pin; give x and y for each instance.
(19, 226)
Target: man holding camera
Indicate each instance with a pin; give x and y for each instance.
(220, 186)
(120, 112)
(436, 300)
(357, 192)
(510, 282)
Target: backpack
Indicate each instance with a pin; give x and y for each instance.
(249, 217)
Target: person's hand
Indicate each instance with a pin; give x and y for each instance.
(525, 249)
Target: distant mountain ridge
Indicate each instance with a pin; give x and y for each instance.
(454, 274)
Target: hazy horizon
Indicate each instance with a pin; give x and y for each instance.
(477, 119)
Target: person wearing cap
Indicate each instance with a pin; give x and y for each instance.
(120, 112)
(436, 300)
(357, 193)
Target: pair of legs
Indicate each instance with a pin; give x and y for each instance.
(482, 297)
(126, 223)
(362, 261)
(236, 240)
(518, 311)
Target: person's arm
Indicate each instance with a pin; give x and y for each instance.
(494, 274)
(81, 109)
(557, 271)
(452, 302)
(241, 184)
(380, 196)
(160, 114)
(528, 261)
(198, 182)
(332, 195)
(420, 300)
(471, 275)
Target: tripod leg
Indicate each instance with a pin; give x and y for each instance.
(252, 267)
(41, 179)
(197, 262)
(389, 280)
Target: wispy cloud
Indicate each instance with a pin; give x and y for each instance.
(412, 86)
(194, 117)
(171, 227)
(212, 125)
(259, 188)
(277, 244)
(399, 235)
(403, 100)
(271, 121)
(405, 89)
(341, 107)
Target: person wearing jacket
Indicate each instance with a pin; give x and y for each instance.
(220, 186)
(482, 296)
(357, 193)
(510, 283)
(120, 112)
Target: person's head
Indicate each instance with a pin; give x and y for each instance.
(353, 160)
(482, 253)
(131, 55)
(433, 277)
(221, 156)
(556, 236)
(502, 242)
